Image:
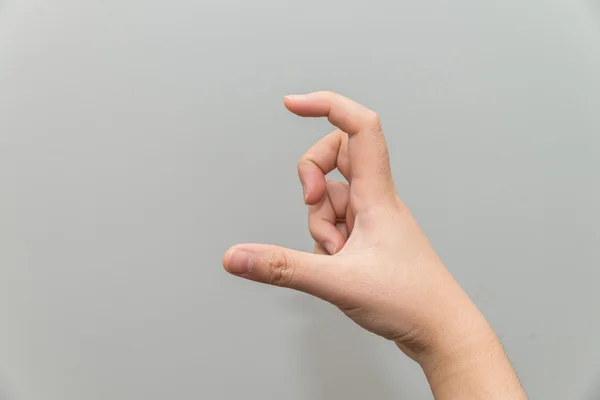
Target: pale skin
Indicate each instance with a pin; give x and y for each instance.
(373, 262)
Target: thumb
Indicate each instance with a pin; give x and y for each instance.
(314, 274)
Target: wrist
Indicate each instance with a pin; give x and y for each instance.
(448, 338)
(450, 323)
(457, 334)
(478, 369)
(457, 352)
(463, 357)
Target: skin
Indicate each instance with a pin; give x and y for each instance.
(374, 263)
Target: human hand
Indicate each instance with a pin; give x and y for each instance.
(372, 260)
(383, 273)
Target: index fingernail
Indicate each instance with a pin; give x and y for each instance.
(295, 96)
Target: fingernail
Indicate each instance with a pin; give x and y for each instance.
(330, 248)
(304, 193)
(294, 96)
(239, 263)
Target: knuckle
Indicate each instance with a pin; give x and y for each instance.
(325, 93)
(280, 271)
(299, 165)
(301, 162)
(373, 121)
(333, 184)
(305, 162)
(318, 222)
(312, 229)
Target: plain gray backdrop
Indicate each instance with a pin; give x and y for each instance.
(140, 139)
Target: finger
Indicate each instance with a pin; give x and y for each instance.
(343, 113)
(343, 228)
(339, 195)
(367, 150)
(318, 249)
(322, 217)
(327, 154)
(314, 274)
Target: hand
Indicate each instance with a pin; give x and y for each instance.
(372, 261)
(385, 275)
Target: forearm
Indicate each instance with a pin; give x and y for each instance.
(468, 360)
(482, 372)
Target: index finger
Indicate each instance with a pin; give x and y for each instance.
(367, 149)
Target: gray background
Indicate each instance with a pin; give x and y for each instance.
(139, 139)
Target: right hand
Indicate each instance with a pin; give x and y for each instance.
(374, 262)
